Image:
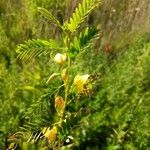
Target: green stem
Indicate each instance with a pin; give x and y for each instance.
(67, 84)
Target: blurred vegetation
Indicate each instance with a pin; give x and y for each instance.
(116, 114)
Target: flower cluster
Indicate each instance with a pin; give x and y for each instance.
(79, 83)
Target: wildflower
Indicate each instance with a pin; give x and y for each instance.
(59, 103)
(80, 81)
(60, 58)
(50, 134)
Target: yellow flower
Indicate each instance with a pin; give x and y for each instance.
(50, 134)
(80, 81)
(60, 58)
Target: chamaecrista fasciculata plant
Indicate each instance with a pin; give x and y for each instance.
(76, 38)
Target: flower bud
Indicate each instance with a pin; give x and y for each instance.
(59, 103)
(64, 76)
(60, 58)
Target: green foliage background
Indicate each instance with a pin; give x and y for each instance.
(117, 113)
